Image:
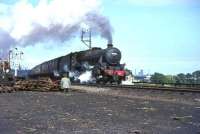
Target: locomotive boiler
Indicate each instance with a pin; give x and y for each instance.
(103, 63)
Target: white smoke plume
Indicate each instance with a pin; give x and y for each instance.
(58, 20)
(85, 77)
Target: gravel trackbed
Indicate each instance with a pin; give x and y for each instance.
(94, 113)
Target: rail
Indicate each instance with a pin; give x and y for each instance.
(44, 85)
(143, 87)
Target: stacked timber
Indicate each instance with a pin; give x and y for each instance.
(36, 85)
(6, 89)
(42, 85)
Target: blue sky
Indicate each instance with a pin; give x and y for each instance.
(162, 38)
(155, 35)
(157, 38)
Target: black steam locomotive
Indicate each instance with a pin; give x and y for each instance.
(103, 63)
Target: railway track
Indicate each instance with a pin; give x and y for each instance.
(8, 87)
(141, 87)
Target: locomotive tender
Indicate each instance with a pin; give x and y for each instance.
(104, 64)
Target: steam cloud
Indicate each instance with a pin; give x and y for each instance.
(55, 20)
(56, 32)
(5, 42)
(101, 24)
(60, 32)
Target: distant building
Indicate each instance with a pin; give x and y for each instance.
(144, 78)
(141, 77)
(141, 73)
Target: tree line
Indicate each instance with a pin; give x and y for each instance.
(189, 78)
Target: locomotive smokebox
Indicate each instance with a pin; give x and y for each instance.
(110, 45)
(112, 55)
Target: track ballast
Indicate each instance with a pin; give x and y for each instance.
(141, 87)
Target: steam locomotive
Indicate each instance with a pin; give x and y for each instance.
(103, 63)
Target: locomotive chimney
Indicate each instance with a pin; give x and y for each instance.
(110, 45)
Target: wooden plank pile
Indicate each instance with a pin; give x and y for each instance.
(6, 89)
(42, 85)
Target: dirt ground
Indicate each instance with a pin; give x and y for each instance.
(92, 113)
